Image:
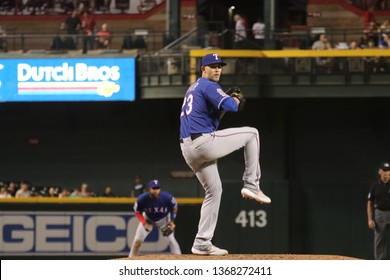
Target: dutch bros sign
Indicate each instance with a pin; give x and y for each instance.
(73, 233)
(70, 79)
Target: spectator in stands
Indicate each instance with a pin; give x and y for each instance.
(84, 190)
(322, 44)
(370, 45)
(138, 187)
(23, 191)
(383, 62)
(12, 189)
(34, 5)
(364, 41)
(52, 192)
(372, 32)
(75, 193)
(353, 45)
(4, 193)
(64, 193)
(88, 27)
(103, 37)
(258, 29)
(354, 63)
(72, 25)
(240, 29)
(385, 26)
(108, 192)
(384, 43)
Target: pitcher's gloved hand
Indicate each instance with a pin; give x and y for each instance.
(237, 92)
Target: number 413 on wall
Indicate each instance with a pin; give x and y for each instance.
(252, 218)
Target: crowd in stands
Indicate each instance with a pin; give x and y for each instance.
(47, 7)
(9, 189)
(371, 4)
(82, 28)
(376, 35)
(376, 32)
(20, 189)
(41, 7)
(370, 40)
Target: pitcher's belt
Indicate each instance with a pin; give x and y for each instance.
(193, 137)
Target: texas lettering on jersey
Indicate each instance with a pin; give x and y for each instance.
(156, 210)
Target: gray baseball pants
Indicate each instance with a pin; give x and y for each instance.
(201, 155)
(141, 234)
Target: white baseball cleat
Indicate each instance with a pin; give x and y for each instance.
(208, 250)
(259, 196)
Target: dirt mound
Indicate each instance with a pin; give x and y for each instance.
(242, 257)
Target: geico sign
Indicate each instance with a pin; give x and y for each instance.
(73, 233)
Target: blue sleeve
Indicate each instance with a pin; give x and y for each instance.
(138, 205)
(173, 203)
(216, 96)
(229, 105)
(173, 206)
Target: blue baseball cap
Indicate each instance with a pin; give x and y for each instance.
(212, 58)
(154, 184)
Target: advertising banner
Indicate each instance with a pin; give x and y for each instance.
(73, 233)
(67, 79)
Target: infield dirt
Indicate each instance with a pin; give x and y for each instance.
(242, 257)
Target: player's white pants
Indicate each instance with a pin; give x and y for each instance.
(141, 234)
(202, 154)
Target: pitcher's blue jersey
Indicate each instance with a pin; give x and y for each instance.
(155, 209)
(201, 108)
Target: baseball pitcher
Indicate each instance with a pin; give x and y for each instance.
(202, 144)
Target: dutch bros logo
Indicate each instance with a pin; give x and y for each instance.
(68, 79)
(80, 72)
(74, 233)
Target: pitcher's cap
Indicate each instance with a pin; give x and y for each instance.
(212, 58)
(154, 184)
(385, 166)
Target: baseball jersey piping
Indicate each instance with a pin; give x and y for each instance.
(220, 102)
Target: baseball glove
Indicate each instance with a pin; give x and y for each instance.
(237, 92)
(167, 230)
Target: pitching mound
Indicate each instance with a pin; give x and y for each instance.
(242, 257)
